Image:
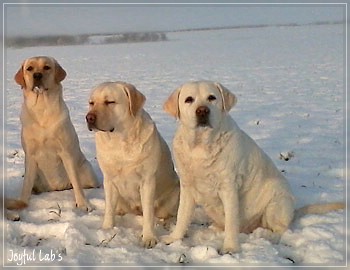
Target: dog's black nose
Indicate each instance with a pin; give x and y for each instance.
(202, 111)
(37, 76)
(202, 114)
(91, 118)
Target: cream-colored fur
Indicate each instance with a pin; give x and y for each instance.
(223, 169)
(138, 171)
(11, 207)
(53, 158)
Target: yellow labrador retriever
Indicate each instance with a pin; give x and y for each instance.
(224, 170)
(53, 158)
(138, 171)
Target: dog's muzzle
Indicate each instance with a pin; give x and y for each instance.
(38, 86)
(91, 120)
(91, 123)
(202, 115)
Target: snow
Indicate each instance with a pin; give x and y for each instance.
(290, 87)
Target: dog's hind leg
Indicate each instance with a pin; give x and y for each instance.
(279, 214)
(88, 177)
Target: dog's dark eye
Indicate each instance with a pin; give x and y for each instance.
(46, 68)
(189, 100)
(109, 102)
(212, 98)
(91, 103)
(30, 68)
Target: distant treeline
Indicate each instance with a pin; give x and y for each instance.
(64, 40)
(19, 42)
(258, 26)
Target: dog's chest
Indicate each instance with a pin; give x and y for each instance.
(39, 139)
(122, 159)
(204, 168)
(204, 175)
(201, 160)
(44, 124)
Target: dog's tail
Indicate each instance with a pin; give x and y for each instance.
(318, 209)
(12, 204)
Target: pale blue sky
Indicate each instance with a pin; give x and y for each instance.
(35, 20)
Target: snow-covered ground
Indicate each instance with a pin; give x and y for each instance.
(290, 87)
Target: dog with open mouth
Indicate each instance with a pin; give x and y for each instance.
(53, 158)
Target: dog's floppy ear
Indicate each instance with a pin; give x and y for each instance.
(171, 105)
(19, 78)
(228, 99)
(136, 98)
(60, 73)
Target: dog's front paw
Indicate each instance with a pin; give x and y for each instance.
(230, 250)
(149, 242)
(108, 223)
(13, 216)
(168, 239)
(85, 206)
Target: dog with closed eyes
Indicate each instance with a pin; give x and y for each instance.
(222, 169)
(53, 158)
(138, 171)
